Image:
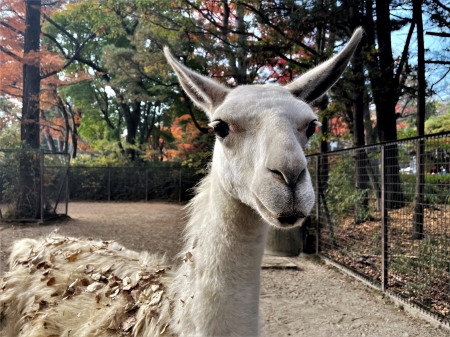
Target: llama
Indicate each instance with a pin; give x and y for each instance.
(61, 286)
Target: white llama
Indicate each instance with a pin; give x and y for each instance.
(62, 286)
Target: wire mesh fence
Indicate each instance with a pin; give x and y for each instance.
(33, 185)
(383, 211)
(131, 183)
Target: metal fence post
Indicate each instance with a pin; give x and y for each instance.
(42, 184)
(317, 207)
(179, 187)
(67, 184)
(384, 223)
(146, 184)
(109, 184)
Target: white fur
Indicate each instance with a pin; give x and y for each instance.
(258, 177)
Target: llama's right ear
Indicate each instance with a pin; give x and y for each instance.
(206, 93)
(317, 81)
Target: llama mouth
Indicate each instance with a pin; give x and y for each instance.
(279, 220)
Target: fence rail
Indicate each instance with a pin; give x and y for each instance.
(36, 185)
(33, 185)
(383, 211)
(131, 183)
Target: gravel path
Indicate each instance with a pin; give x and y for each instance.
(315, 300)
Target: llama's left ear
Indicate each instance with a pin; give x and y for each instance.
(206, 93)
(319, 80)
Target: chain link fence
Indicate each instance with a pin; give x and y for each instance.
(33, 185)
(131, 183)
(383, 212)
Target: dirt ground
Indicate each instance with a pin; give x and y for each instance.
(315, 300)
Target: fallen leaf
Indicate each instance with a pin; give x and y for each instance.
(128, 324)
(96, 276)
(130, 307)
(156, 298)
(94, 287)
(135, 294)
(187, 257)
(43, 304)
(73, 257)
(164, 329)
(115, 292)
(43, 264)
(89, 268)
(74, 283)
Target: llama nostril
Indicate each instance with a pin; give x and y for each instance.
(301, 175)
(277, 173)
(291, 179)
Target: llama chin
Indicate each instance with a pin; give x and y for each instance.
(61, 286)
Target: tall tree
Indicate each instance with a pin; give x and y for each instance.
(386, 89)
(420, 124)
(31, 74)
(21, 31)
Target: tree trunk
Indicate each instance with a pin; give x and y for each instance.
(385, 93)
(132, 117)
(361, 177)
(73, 134)
(31, 75)
(28, 204)
(420, 124)
(241, 75)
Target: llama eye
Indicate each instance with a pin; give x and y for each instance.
(311, 129)
(221, 129)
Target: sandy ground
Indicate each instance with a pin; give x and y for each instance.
(315, 300)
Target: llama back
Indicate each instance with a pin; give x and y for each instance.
(64, 286)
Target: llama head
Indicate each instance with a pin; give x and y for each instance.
(261, 133)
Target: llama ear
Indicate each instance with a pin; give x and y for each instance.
(206, 93)
(319, 80)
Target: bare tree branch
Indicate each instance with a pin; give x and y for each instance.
(58, 45)
(61, 28)
(446, 73)
(441, 34)
(437, 62)
(277, 29)
(440, 4)
(10, 53)
(73, 58)
(404, 54)
(7, 25)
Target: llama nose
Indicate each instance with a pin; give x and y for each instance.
(290, 177)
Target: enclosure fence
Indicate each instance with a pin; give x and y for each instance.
(131, 183)
(383, 212)
(33, 185)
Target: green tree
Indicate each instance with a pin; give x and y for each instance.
(436, 124)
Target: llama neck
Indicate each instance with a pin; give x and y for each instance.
(216, 290)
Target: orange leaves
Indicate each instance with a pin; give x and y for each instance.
(338, 126)
(185, 133)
